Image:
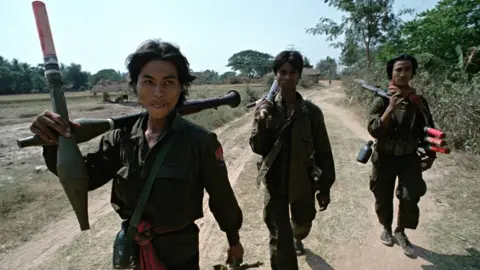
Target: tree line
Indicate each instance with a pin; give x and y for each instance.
(22, 78)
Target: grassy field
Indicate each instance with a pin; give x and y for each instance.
(30, 196)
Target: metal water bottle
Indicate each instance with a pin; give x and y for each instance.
(365, 153)
(123, 250)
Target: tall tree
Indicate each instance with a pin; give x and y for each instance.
(327, 67)
(367, 23)
(441, 29)
(76, 76)
(251, 63)
(106, 74)
(306, 62)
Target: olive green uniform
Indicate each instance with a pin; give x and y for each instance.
(193, 163)
(396, 155)
(285, 170)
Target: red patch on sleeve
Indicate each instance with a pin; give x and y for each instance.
(219, 153)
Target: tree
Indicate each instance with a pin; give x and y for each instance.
(207, 77)
(327, 67)
(306, 63)
(251, 63)
(367, 23)
(21, 78)
(76, 76)
(440, 30)
(106, 74)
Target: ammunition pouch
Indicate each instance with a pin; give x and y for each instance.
(315, 173)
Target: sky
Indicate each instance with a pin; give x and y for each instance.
(100, 34)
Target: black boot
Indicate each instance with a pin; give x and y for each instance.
(386, 237)
(404, 243)
(299, 248)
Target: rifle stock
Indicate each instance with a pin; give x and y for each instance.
(91, 127)
(71, 168)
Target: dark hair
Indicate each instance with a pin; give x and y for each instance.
(158, 50)
(400, 58)
(293, 57)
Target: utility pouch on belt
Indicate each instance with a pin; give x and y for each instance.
(315, 171)
(123, 247)
(123, 257)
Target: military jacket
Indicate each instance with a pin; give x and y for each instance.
(308, 144)
(404, 133)
(193, 164)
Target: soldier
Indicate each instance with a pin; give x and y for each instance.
(167, 235)
(397, 125)
(293, 142)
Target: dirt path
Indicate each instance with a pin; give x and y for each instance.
(343, 237)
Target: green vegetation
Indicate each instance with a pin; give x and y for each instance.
(444, 39)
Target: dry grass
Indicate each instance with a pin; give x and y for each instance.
(454, 231)
(26, 207)
(30, 200)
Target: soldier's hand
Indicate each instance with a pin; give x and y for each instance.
(323, 201)
(235, 255)
(48, 125)
(427, 162)
(264, 108)
(395, 101)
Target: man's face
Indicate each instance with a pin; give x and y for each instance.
(287, 77)
(402, 72)
(158, 88)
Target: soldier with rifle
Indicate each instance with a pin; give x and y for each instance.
(290, 135)
(160, 168)
(398, 126)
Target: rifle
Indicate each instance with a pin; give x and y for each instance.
(434, 138)
(91, 127)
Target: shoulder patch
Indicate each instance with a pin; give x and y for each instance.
(219, 155)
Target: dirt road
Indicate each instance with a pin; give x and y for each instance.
(343, 237)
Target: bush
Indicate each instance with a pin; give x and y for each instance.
(234, 80)
(251, 95)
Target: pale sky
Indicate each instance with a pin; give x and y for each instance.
(100, 34)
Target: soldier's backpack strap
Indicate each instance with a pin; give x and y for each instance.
(272, 155)
(306, 106)
(268, 160)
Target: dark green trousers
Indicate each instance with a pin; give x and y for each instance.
(283, 228)
(411, 186)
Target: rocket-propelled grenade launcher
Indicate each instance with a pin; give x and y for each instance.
(92, 127)
(71, 167)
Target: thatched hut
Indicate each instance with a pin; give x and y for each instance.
(109, 86)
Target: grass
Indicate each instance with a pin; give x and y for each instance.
(26, 207)
(454, 230)
(30, 200)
